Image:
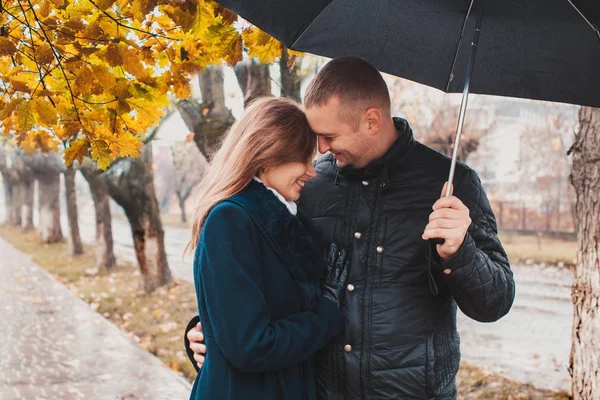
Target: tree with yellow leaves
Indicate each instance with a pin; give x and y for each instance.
(93, 76)
(96, 74)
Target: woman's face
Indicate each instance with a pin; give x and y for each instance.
(288, 179)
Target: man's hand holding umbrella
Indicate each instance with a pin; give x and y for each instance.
(449, 221)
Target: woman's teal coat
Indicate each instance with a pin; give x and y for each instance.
(257, 271)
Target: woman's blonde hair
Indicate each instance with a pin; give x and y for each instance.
(273, 131)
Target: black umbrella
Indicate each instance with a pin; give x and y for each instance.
(535, 49)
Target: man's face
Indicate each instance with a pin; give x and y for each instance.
(350, 145)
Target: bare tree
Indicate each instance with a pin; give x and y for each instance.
(254, 79)
(47, 168)
(75, 245)
(188, 165)
(585, 351)
(440, 134)
(208, 120)
(291, 76)
(105, 256)
(544, 166)
(130, 183)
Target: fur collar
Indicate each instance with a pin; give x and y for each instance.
(293, 238)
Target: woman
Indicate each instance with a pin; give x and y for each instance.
(257, 265)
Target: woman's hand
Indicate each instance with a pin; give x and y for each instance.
(335, 281)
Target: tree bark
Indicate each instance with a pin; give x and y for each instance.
(8, 196)
(131, 184)
(49, 227)
(210, 119)
(182, 207)
(290, 77)
(105, 256)
(46, 169)
(13, 192)
(75, 246)
(28, 205)
(585, 177)
(254, 79)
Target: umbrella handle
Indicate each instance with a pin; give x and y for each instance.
(437, 241)
(463, 109)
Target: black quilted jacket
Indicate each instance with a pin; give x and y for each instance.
(401, 340)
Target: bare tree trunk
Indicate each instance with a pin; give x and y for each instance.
(132, 187)
(254, 79)
(17, 201)
(28, 205)
(75, 246)
(105, 256)
(49, 207)
(8, 196)
(210, 119)
(290, 77)
(181, 200)
(585, 177)
(46, 169)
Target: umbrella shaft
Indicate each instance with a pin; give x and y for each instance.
(463, 105)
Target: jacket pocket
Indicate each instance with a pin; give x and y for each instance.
(400, 372)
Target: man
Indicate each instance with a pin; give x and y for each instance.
(377, 194)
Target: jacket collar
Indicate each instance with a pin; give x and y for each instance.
(293, 238)
(395, 156)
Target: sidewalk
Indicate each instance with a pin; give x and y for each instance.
(53, 346)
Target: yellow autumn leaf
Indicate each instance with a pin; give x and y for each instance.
(44, 54)
(25, 116)
(131, 62)
(113, 55)
(45, 111)
(100, 153)
(77, 150)
(38, 139)
(103, 75)
(260, 45)
(294, 53)
(7, 47)
(10, 107)
(84, 80)
(124, 145)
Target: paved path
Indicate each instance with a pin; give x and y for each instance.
(53, 346)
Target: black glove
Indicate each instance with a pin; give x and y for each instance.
(336, 278)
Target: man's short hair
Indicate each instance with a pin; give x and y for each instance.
(357, 84)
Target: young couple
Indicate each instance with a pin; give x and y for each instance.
(321, 282)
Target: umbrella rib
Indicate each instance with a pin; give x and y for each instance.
(309, 25)
(589, 22)
(462, 32)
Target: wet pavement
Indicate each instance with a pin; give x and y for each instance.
(54, 346)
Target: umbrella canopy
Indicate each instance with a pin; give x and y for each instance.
(535, 49)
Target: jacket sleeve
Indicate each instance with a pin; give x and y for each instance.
(232, 286)
(480, 280)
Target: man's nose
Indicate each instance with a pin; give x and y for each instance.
(322, 145)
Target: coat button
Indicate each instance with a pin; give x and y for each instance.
(350, 287)
(380, 249)
(358, 235)
(447, 271)
(347, 348)
(365, 183)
